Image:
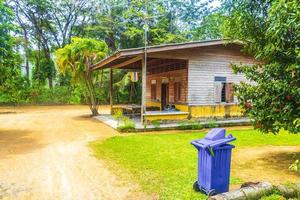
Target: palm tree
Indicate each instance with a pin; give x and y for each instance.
(78, 58)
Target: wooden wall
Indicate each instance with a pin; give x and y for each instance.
(204, 64)
(171, 75)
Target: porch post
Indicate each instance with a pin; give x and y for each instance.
(111, 90)
(144, 90)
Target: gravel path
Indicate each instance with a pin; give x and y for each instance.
(44, 155)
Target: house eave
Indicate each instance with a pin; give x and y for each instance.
(133, 52)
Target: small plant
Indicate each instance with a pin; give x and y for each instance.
(195, 125)
(273, 197)
(295, 166)
(118, 115)
(156, 123)
(128, 125)
(212, 124)
(183, 125)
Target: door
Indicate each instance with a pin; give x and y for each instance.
(164, 95)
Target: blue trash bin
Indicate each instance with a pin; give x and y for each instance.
(214, 158)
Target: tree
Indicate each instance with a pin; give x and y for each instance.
(49, 25)
(12, 84)
(270, 31)
(7, 54)
(210, 27)
(78, 58)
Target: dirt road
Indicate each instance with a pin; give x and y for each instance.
(43, 155)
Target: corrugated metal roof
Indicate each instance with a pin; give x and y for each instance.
(126, 54)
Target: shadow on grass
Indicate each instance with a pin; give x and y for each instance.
(15, 141)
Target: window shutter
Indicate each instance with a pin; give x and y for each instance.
(218, 91)
(177, 91)
(229, 92)
(153, 91)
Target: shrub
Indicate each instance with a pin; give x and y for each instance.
(118, 114)
(191, 124)
(77, 96)
(295, 166)
(42, 95)
(128, 125)
(156, 123)
(212, 124)
(183, 125)
(195, 125)
(273, 197)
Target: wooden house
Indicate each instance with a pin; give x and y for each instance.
(195, 78)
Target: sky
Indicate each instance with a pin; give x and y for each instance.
(216, 3)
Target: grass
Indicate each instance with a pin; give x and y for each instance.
(165, 164)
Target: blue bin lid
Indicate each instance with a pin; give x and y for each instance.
(214, 138)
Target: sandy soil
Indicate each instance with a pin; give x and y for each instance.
(43, 155)
(268, 163)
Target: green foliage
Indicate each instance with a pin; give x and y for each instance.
(14, 91)
(121, 23)
(273, 197)
(183, 125)
(58, 95)
(118, 114)
(210, 27)
(127, 126)
(12, 85)
(270, 31)
(156, 123)
(190, 125)
(212, 124)
(295, 166)
(77, 58)
(195, 125)
(43, 69)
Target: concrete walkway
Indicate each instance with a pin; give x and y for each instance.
(110, 121)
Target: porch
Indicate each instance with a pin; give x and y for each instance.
(164, 86)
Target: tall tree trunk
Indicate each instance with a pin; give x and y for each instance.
(93, 102)
(50, 81)
(26, 42)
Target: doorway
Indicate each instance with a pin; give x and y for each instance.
(164, 95)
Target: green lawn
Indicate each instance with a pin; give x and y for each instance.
(165, 164)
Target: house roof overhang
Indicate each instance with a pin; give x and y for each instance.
(126, 57)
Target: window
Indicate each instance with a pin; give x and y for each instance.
(223, 90)
(153, 89)
(177, 91)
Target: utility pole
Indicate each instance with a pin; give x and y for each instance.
(144, 65)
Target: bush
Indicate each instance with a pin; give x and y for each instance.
(77, 96)
(128, 125)
(192, 124)
(273, 197)
(42, 95)
(15, 91)
(195, 125)
(212, 124)
(156, 123)
(295, 166)
(183, 125)
(118, 114)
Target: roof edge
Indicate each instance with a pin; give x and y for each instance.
(161, 47)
